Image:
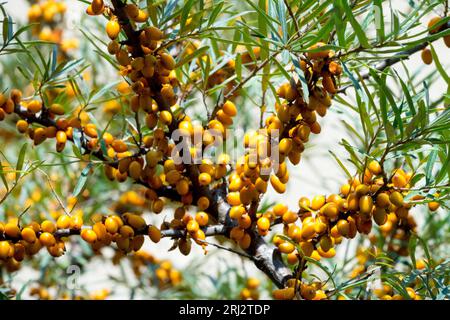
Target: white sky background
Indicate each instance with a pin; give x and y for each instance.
(317, 172)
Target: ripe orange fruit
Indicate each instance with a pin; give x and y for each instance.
(284, 294)
(154, 233)
(396, 198)
(343, 227)
(112, 29)
(263, 223)
(192, 226)
(202, 218)
(229, 108)
(432, 25)
(47, 239)
(245, 241)
(383, 200)
(48, 226)
(89, 235)
(365, 205)
(22, 126)
(433, 205)
(375, 167)
(279, 209)
(111, 225)
(12, 230)
(317, 202)
(28, 234)
(135, 221)
(204, 179)
(426, 55)
(5, 249)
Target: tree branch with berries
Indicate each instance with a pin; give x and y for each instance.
(291, 63)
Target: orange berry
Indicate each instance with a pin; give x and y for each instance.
(375, 167)
(432, 25)
(245, 242)
(22, 126)
(263, 223)
(28, 234)
(433, 205)
(154, 233)
(5, 250)
(204, 179)
(192, 226)
(201, 218)
(317, 202)
(111, 225)
(47, 239)
(112, 29)
(286, 247)
(230, 108)
(89, 235)
(426, 56)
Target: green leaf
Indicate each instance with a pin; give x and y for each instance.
(379, 19)
(102, 91)
(429, 167)
(217, 9)
(340, 23)
(341, 164)
(2, 176)
(185, 13)
(238, 67)
(20, 161)
(82, 180)
(5, 31)
(444, 169)
(412, 249)
(439, 65)
(22, 290)
(358, 30)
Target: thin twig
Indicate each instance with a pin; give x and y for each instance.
(226, 248)
(54, 192)
(297, 28)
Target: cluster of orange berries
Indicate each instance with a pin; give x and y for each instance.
(294, 120)
(51, 120)
(127, 232)
(182, 220)
(42, 293)
(434, 26)
(166, 275)
(298, 289)
(250, 291)
(325, 221)
(47, 15)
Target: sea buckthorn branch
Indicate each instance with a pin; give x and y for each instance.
(400, 56)
(327, 220)
(230, 199)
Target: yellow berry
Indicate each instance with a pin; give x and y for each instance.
(111, 225)
(317, 202)
(154, 233)
(47, 239)
(28, 234)
(263, 223)
(89, 235)
(112, 29)
(201, 218)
